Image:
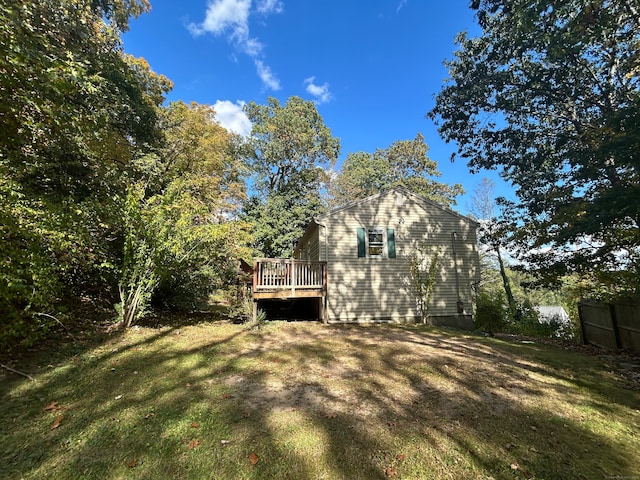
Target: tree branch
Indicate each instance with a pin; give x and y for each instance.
(17, 372)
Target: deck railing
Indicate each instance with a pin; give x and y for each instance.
(271, 274)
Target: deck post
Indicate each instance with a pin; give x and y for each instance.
(323, 308)
(255, 311)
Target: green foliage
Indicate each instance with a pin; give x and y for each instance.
(549, 94)
(288, 153)
(193, 256)
(405, 163)
(138, 278)
(75, 111)
(290, 146)
(423, 269)
(491, 311)
(259, 321)
(495, 315)
(183, 242)
(51, 253)
(280, 219)
(526, 321)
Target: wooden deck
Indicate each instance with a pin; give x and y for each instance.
(287, 279)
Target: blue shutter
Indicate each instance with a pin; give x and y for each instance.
(362, 243)
(391, 242)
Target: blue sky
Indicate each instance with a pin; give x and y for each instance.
(373, 67)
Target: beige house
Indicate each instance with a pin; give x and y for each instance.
(360, 259)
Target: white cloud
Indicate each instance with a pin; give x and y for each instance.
(223, 16)
(267, 76)
(231, 116)
(401, 4)
(320, 92)
(270, 6)
(230, 18)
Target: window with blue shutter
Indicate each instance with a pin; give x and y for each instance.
(391, 242)
(372, 242)
(362, 243)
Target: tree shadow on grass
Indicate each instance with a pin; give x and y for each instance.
(311, 401)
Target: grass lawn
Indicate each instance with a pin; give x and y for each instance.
(307, 401)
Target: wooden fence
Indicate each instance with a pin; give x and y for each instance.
(611, 325)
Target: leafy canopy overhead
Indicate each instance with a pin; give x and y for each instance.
(549, 94)
(405, 163)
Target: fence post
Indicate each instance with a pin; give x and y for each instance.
(614, 324)
(583, 328)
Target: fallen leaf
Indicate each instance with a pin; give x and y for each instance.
(253, 458)
(515, 466)
(194, 443)
(227, 395)
(245, 414)
(149, 415)
(400, 456)
(330, 415)
(52, 406)
(56, 423)
(390, 472)
(133, 463)
(195, 424)
(326, 376)
(118, 397)
(225, 442)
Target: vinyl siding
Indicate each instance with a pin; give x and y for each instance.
(370, 289)
(309, 247)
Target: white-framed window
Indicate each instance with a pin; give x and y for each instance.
(376, 242)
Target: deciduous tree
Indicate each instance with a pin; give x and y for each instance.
(492, 233)
(405, 163)
(74, 111)
(549, 93)
(183, 235)
(289, 152)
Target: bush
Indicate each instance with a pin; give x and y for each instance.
(491, 312)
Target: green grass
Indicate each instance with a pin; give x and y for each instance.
(311, 401)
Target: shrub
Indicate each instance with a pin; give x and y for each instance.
(491, 312)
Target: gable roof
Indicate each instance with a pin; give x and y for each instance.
(419, 198)
(401, 190)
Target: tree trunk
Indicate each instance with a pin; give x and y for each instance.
(513, 311)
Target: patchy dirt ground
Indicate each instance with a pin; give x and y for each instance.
(376, 373)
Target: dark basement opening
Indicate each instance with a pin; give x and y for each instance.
(298, 309)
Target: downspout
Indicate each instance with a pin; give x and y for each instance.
(459, 304)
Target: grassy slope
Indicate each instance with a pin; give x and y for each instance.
(310, 401)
